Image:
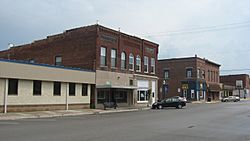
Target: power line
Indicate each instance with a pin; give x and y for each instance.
(201, 29)
(231, 70)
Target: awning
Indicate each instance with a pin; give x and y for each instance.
(214, 87)
(115, 87)
(228, 87)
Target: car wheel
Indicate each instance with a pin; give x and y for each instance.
(179, 106)
(160, 107)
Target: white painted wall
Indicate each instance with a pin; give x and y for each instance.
(25, 94)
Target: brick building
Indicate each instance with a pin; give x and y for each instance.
(243, 84)
(193, 78)
(125, 65)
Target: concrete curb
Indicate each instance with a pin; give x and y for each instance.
(50, 114)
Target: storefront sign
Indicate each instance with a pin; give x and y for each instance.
(108, 38)
(184, 86)
(150, 50)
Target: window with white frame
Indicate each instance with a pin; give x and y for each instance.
(138, 63)
(123, 60)
(58, 60)
(131, 62)
(198, 73)
(142, 95)
(145, 64)
(103, 61)
(113, 58)
(153, 65)
(203, 74)
(166, 74)
(189, 72)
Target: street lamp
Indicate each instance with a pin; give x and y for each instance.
(10, 45)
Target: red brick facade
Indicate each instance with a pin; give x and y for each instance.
(80, 48)
(204, 78)
(231, 80)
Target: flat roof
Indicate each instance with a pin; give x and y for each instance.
(184, 58)
(44, 65)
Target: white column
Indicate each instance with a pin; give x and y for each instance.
(6, 95)
(89, 90)
(197, 95)
(67, 93)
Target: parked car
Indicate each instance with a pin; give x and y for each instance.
(169, 102)
(181, 98)
(230, 98)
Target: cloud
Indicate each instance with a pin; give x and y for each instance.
(22, 22)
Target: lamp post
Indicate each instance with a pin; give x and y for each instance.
(10, 45)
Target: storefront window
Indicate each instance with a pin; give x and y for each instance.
(142, 95)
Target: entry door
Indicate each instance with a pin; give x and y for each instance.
(153, 92)
(185, 93)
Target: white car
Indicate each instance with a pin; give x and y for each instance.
(180, 98)
(230, 98)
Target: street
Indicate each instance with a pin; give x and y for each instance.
(196, 122)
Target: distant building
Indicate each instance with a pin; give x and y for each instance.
(193, 77)
(240, 83)
(124, 65)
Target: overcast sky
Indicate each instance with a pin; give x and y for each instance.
(218, 30)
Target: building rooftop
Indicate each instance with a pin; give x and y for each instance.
(77, 29)
(186, 58)
(44, 65)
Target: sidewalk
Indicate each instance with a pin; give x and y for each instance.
(199, 102)
(63, 113)
(213, 102)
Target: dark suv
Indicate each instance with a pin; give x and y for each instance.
(169, 102)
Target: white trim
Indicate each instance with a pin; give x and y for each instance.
(6, 95)
(142, 102)
(148, 76)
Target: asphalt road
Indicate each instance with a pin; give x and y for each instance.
(196, 122)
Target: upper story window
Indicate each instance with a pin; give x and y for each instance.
(198, 73)
(131, 62)
(212, 76)
(153, 65)
(166, 74)
(208, 75)
(123, 60)
(145, 64)
(203, 74)
(113, 58)
(58, 60)
(138, 63)
(103, 61)
(189, 73)
(31, 61)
